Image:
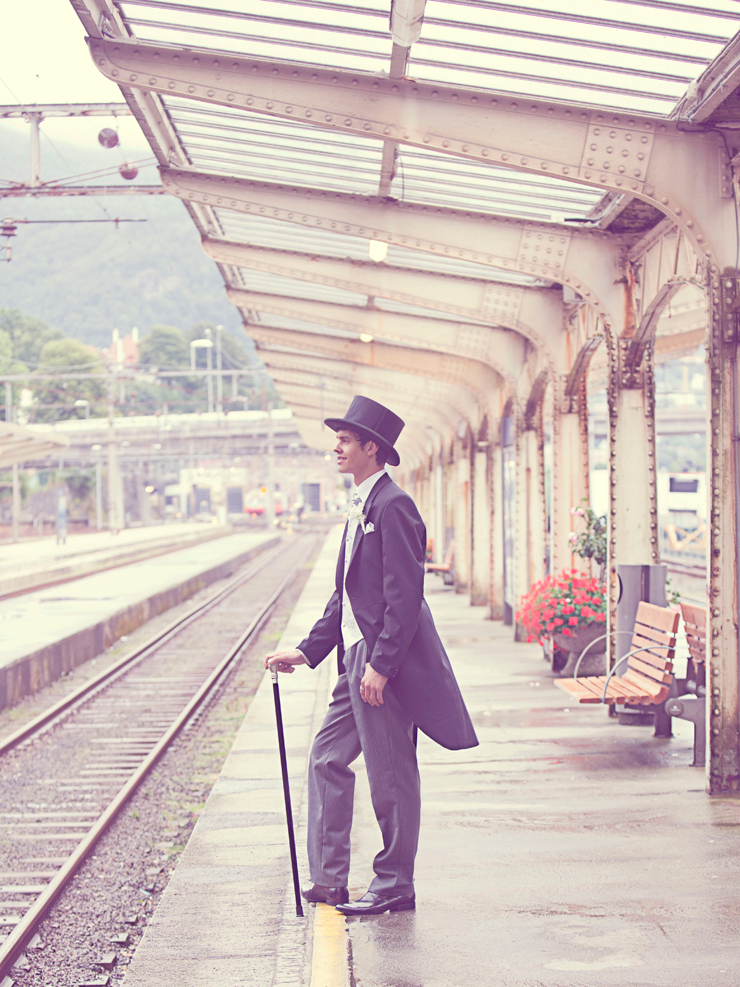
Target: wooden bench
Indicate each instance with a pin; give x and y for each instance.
(693, 705)
(649, 674)
(446, 567)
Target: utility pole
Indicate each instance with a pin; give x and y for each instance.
(270, 495)
(113, 506)
(35, 120)
(219, 368)
(209, 367)
(16, 501)
(98, 488)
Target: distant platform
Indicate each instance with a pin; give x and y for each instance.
(35, 562)
(48, 632)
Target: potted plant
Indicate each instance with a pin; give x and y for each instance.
(591, 542)
(567, 610)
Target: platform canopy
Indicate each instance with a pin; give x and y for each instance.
(22, 445)
(385, 158)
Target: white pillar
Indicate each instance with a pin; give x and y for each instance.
(632, 481)
(462, 518)
(536, 516)
(497, 534)
(480, 560)
(569, 484)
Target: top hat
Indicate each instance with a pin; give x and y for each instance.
(373, 420)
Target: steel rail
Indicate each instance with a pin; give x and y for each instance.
(124, 664)
(23, 932)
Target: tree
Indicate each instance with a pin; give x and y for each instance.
(28, 336)
(55, 399)
(164, 347)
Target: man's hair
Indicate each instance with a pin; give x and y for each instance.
(363, 438)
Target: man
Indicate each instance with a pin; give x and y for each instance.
(393, 674)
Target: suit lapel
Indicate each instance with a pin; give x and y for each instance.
(360, 534)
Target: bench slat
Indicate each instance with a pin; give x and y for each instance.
(632, 693)
(648, 685)
(651, 658)
(655, 637)
(577, 690)
(657, 674)
(660, 618)
(618, 690)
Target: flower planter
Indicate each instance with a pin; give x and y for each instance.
(593, 663)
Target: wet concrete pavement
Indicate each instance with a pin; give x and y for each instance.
(565, 851)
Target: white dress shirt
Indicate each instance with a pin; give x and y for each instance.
(351, 633)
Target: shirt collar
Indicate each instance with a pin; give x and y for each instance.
(364, 488)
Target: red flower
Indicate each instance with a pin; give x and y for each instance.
(557, 622)
(573, 621)
(600, 617)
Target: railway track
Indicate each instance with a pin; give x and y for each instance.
(70, 772)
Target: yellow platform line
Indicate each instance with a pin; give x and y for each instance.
(329, 961)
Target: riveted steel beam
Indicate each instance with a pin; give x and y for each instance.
(579, 370)
(479, 386)
(501, 349)
(646, 331)
(407, 390)
(309, 405)
(536, 313)
(589, 261)
(648, 157)
(305, 391)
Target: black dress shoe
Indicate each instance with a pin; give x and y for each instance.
(332, 896)
(376, 904)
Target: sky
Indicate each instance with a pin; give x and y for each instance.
(44, 59)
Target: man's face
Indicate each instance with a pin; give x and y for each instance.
(352, 458)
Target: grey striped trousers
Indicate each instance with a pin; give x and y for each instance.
(383, 735)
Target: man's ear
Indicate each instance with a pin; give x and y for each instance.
(371, 448)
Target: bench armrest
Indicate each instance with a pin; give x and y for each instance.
(595, 641)
(624, 658)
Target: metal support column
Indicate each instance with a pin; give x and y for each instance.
(633, 515)
(723, 679)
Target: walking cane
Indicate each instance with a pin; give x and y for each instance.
(286, 790)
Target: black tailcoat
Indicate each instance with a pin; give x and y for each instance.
(385, 584)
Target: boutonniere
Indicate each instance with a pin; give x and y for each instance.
(356, 513)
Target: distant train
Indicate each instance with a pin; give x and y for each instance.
(255, 502)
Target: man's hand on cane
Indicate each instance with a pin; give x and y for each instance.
(285, 661)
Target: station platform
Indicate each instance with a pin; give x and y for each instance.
(35, 562)
(47, 632)
(565, 851)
